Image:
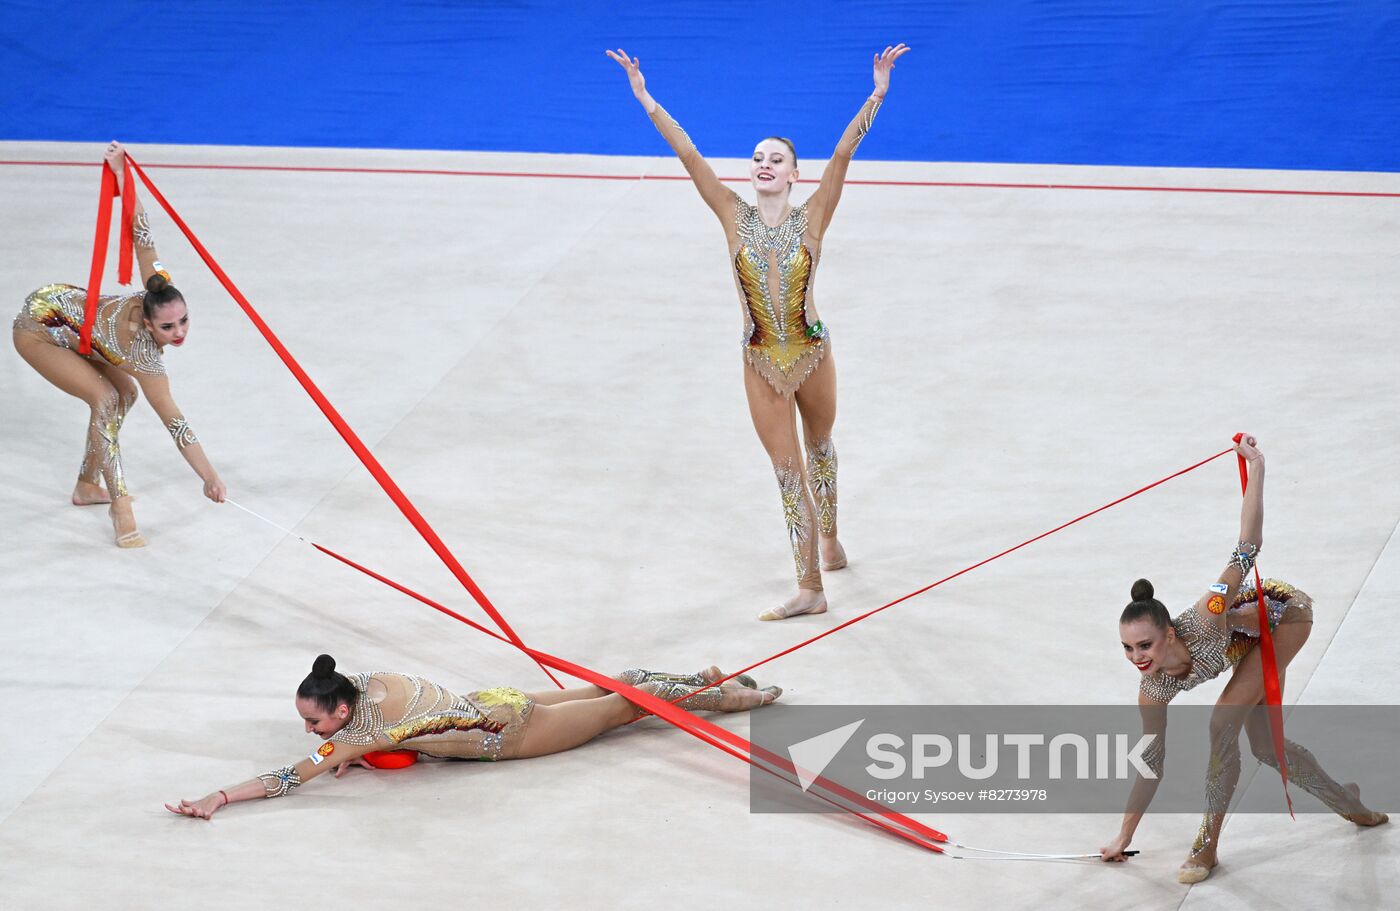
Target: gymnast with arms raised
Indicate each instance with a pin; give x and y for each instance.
(1221, 631)
(774, 249)
(129, 336)
(363, 713)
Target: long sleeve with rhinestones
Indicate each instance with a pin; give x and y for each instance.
(822, 205)
(716, 195)
(858, 127)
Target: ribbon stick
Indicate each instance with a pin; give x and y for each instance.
(1273, 693)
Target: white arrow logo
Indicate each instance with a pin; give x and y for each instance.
(817, 752)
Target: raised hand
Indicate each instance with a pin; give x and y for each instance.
(115, 156)
(884, 62)
(633, 68)
(1249, 448)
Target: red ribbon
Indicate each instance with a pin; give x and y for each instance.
(967, 569)
(99, 248)
(1273, 693)
(781, 767)
(99, 256)
(125, 245)
(718, 737)
(367, 458)
(731, 743)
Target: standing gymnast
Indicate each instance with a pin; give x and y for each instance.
(775, 248)
(1221, 631)
(129, 336)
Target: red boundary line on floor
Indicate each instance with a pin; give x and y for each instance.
(445, 172)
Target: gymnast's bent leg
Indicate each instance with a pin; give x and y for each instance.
(107, 405)
(816, 403)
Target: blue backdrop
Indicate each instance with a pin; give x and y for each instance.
(1248, 83)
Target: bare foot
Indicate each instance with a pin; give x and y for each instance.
(85, 494)
(804, 602)
(124, 523)
(1365, 817)
(713, 673)
(742, 699)
(833, 554)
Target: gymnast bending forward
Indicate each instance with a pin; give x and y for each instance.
(361, 713)
(774, 249)
(1222, 631)
(129, 337)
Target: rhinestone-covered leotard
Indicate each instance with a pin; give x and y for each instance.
(774, 268)
(1213, 649)
(486, 724)
(56, 312)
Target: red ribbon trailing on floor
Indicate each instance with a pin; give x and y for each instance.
(694, 725)
(351, 439)
(107, 190)
(874, 813)
(1273, 693)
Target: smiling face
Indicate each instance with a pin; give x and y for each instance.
(170, 324)
(774, 167)
(1147, 645)
(320, 722)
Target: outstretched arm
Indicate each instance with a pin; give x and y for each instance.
(157, 392)
(142, 241)
(1154, 721)
(717, 196)
(277, 783)
(1213, 604)
(823, 203)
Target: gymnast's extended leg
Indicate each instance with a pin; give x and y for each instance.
(774, 417)
(573, 722)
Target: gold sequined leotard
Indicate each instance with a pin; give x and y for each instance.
(426, 717)
(774, 267)
(56, 312)
(416, 714)
(1214, 649)
(779, 341)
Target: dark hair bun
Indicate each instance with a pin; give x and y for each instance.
(157, 283)
(323, 666)
(1142, 590)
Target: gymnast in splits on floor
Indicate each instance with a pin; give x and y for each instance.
(1220, 631)
(129, 337)
(362, 713)
(774, 249)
